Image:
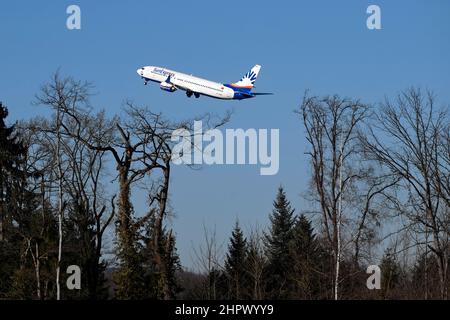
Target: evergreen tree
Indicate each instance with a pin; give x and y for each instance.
(278, 244)
(216, 285)
(173, 265)
(36, 238)
(304, 239)
(130, 277)
(425, 277)
(80, 249)
(390, 274)
(235, 263)
(11, 181)
(306, 259)
(163, 280)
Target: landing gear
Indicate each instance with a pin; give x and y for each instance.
(145, 83)
(189, 94)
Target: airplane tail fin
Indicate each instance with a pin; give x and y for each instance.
(249, 79)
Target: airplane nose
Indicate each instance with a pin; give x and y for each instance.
(140, 71)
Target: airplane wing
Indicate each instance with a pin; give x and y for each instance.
(176, 84)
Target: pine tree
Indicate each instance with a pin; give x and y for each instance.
(235, 267)
(390, 274)
(278, 243)
(160, 275)
(425, 277)
(11, 181)
(36, 239)
(130, 277)
(11, 156)
(81, 250)
(305, 254)
(173, 265)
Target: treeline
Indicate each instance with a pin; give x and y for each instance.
(292, 261)
(379, 182)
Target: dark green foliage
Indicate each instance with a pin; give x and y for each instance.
(38, 253)
(297, 262)
(391, 274)
(80, 248)
(425, 277)
(129, 278)
(217, 285)
(12, 178)
(9, 263)
(160, 263)
(306, 256)
(278, 247)
(235, 264)
(173, 265)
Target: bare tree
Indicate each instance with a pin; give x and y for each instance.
(373, 194)
(108, 137)
(88, 199)
(78, 169)
(441, 164)
(36, 220)
(208, 257)
(155, 155)
(141, 148)
(408, 139)
(331, 125)
(256, 264)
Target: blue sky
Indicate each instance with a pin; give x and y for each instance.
(323, 46)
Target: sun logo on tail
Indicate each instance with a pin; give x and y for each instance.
(251, 75)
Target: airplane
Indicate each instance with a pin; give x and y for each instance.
(172, 80)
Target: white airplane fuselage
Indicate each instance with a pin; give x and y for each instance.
(185, 82)
(172, 80)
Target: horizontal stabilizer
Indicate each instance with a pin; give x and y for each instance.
(253, 94)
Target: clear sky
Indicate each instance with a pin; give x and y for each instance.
(323, 46)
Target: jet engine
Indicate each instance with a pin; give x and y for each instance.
(166, 86)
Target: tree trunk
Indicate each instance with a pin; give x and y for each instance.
(60, 205)
(38, 272)
(160, 257)
(125, 232)
(1, 208)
